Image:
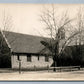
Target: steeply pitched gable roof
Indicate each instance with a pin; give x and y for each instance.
(22, 43)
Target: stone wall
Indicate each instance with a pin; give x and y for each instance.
(35, 63)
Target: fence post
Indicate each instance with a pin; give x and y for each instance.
(34, 67)
(79, 68)
(48, 67)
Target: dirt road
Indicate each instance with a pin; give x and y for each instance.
(43, 76)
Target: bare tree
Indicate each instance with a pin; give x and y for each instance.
(58, 26)
(5, 47)
(80, 27)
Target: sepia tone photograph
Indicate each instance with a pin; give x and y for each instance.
(41, 42)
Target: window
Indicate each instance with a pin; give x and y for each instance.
(46, 59)
(18, 57)
(29, 58)
(38, 57)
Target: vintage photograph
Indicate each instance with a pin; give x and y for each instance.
(41, 42)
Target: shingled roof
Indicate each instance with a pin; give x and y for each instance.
(23, 43)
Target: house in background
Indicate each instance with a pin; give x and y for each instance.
(26, 48)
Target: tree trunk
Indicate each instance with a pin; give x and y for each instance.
(54, 64)
(56, 53)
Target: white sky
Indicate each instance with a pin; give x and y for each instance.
(26, 16)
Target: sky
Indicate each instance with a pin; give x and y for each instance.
(26, 17)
